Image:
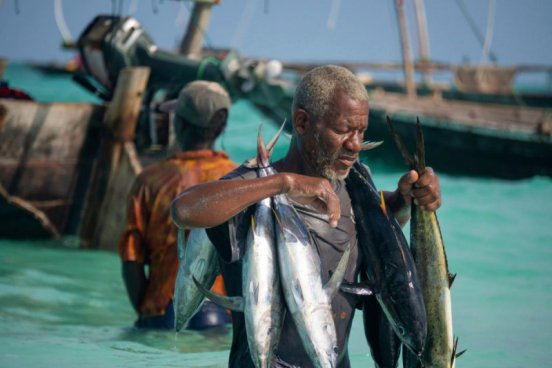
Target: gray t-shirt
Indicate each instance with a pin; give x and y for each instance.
(330, 244)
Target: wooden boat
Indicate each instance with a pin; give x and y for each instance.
(462, 137)
(46, 156)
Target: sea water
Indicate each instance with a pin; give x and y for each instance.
(65, 307)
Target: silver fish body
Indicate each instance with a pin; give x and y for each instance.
(308, 302)
(262, 296)
(197, 259)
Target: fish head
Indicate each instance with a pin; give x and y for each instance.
(325, 341)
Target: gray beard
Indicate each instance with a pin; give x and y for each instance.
(322, 163)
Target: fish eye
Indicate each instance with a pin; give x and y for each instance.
(335, 349)
(401, 330)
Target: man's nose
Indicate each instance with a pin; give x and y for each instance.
(354, 142)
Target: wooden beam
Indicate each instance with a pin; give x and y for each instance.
(120, 119)
(406, 51)
(192, 42)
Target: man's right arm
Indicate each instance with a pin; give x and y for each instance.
(134, 277)
(210, 204)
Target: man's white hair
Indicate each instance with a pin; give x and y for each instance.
(316, 89)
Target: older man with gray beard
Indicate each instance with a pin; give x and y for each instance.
(330, 116)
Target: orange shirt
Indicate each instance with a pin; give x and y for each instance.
(150, 234)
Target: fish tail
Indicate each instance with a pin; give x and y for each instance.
(263, 158)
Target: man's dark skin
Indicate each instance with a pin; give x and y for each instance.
(134, 273)
(337, 135)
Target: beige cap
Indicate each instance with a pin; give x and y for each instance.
(197, 102)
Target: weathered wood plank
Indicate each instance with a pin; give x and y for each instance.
(46, 153)
(121, 119)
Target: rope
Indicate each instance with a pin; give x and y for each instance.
(474, 28)
(489, 32)
(203, 66)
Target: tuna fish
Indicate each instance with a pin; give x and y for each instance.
(262, 302)
(430, 257)
(390, 270)
(197, 259)
(307, 300)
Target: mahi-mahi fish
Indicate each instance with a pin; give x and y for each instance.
(389, 267)
(429, 254)
(262, 302)
(197, 259)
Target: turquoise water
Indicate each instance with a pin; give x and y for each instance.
(65, 307)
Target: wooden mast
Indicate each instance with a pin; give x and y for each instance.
(192, 42)
(423, 39)
(406, 52)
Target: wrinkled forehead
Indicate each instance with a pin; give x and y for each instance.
(343, 103)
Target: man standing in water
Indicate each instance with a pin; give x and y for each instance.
(330, 116)
(149, 239)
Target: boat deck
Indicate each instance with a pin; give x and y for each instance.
(513, 119)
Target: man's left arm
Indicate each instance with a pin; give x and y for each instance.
(424, 190)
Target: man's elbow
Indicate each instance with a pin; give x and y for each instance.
(177, 214)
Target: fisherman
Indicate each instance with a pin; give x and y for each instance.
(329, 116)
(149, 239)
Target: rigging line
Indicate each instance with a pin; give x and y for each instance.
(121, 8)
(60, 21)
(133, 7)
(334, 13)
(17, 9)
(474, 28)
(243, 24)
(489, 32)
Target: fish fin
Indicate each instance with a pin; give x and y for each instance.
(234, 303)
(332, 286)
(263, 159)
(357, 288)
(451, 277)
(382, 204)
(400, 144)
(454, 354)
(367, 145)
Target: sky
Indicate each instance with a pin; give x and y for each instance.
(295, 30)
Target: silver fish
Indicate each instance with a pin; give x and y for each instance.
(197, 259)
(307, 300)
(262, 302)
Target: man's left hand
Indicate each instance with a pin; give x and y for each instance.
(424, 189)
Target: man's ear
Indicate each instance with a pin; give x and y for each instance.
(300, 121)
